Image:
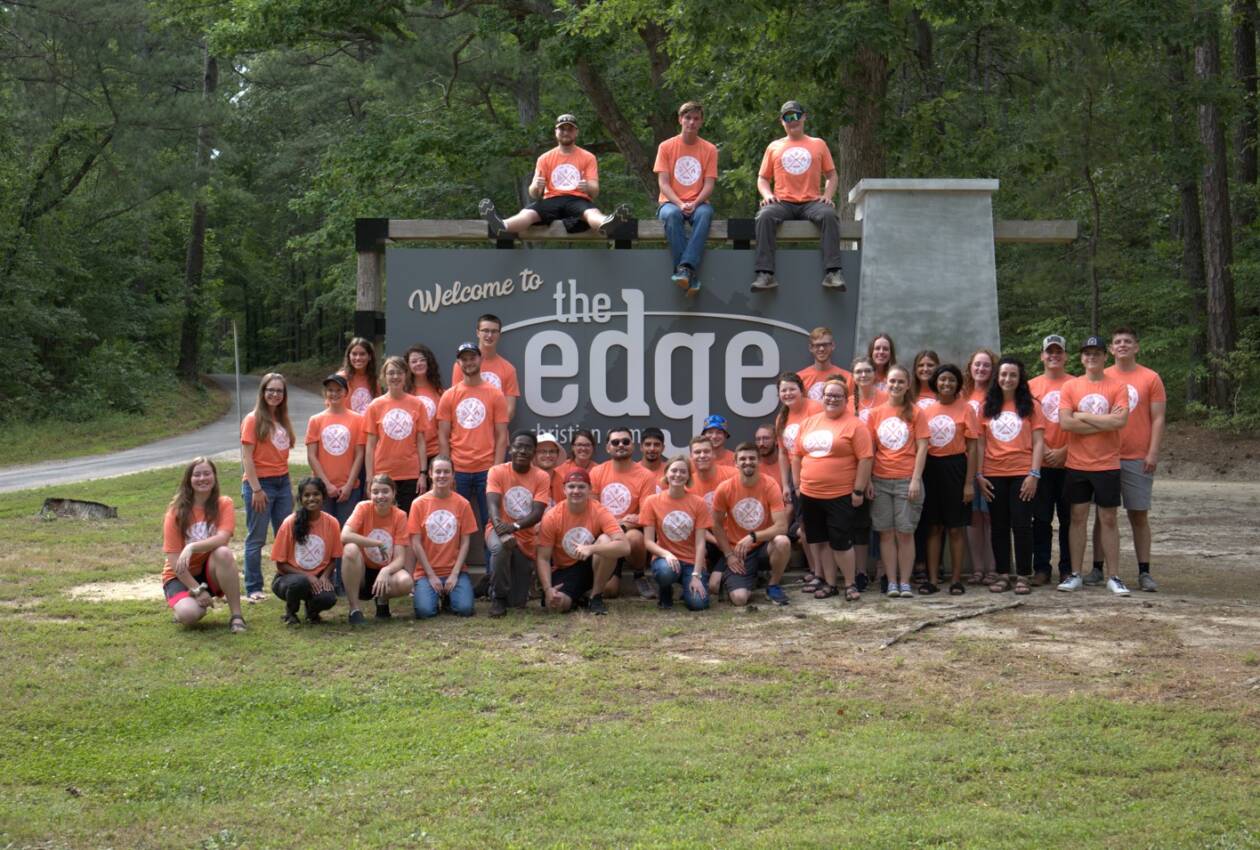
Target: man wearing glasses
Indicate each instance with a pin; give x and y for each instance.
(621, 485)
(495, 370)
(822, 345)
(788, 185)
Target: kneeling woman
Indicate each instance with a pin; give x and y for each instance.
(674, 523)
(374, 556)
(195, 536)
(303, 552)
(441, 525)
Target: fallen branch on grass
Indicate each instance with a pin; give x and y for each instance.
(953, 618)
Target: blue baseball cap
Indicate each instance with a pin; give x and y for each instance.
(715, 421)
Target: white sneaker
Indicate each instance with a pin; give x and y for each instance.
(906, 592)
(1116, 586)
(1072, 582)
(894, 590)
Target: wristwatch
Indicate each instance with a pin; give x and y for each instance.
(200, 589)
(516, 525)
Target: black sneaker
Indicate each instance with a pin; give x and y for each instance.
(382, 610)
(861, 581)
(883, 585)
(290, 619)
(497, 607)
(314, 619)
(356, 617)
(618, 215)
(486, 209)
(596, 605)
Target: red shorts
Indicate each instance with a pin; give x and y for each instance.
(175, 589)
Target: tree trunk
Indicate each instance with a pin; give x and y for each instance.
(195, 260)
(1245, 132)
(1218, 237)
(615, 122)
(861, 153)
(1189, 226)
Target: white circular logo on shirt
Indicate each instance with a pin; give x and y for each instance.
(864, 414)
(789, 435)
(817, 443)
(893, 433)
(335, 439)
(310, 554)
(430, 407)
(493, 380)
(1050, 406)
(816, 391)
(925, 403)
(1006, 426)
(687, 170)
(708, 498)
(280, 437)
(565, 177)
(360, 399)
(1134, 398)
(518, 501)
(441, 525)
(1095, 403)
(615, 497)
(797, 160)
(678, 526)
(197, 532)
(384, 542)
(575, 537)
(941, 430)
(470, 413)
(396, 423)
(749, 513)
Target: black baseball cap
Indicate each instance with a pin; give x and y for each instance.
(467, 346)
(791, 106)
(566, 118)
(338, 379)
(1094, 342)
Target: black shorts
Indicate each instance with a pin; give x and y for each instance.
(1101, 488)
(943, 481)
(829, 521)
(714, 560)
(577, 580)
(566, 208)
(757, 561)
(862, 523)
(369, 579)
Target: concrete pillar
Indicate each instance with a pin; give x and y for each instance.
(928, 273)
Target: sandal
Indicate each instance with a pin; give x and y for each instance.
(957, 589)
(1021, 586)
(811, 584)
(236, 625)
(852, 594)
(927, 589)
(977, 578)
(1002, 585)
(825, 591)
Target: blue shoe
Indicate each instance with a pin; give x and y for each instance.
(776, 595)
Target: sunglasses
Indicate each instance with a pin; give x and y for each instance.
(793, 116)
(621, 442)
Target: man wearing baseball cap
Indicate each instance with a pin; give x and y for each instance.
(579, 543)
(788, 184)
(1051, 495)
(564, 188)
(1092, 410)
(547, 457)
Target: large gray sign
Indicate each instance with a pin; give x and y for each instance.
(602, 336)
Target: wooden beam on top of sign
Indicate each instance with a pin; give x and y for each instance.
(1061, 232)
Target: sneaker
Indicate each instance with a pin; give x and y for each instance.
(883, 585)
(620, 214)
(1147, 583)
(834, 280)
(382, 610)
(486, 210)
(498, 607)
(665, 604)
(290, 619)
(596, 605)
(681, 277)
(1095, 577)
(646, 588)
(666, 600)
(694, 289)
(776, 595)
(894, 590)
(764, 281)
(1072, 582)
(356, 617)
(314, 619)
(906, 592)
(1116, 586)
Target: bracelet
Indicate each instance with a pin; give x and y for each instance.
(1035, 473)
(753, 535)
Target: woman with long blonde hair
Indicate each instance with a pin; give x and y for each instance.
(266, 436)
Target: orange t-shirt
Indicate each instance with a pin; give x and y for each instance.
(830, 450)
(395, 423)
(517, 494)
(563, 530)
(1046, 392)
(792, 425)
(676, 521)
(173, 542)
(473, 412)
(496, 372)
(271, 456)
(429, 398)
(323, 543)
(441, 523)
(814, 379)
(622, 493)
(388, 531)
(865, 406)
(976, 400)
(950, 426)
(360, 395)
(1008, 441)
(1093, 452)
(895, 441)
(724, 457)
(706, 486)
(747, 508)
(688, 166)
(335, 437)
(1144, 386)
(925, 399)
(563, 171)
(770, 469)
(796, 169)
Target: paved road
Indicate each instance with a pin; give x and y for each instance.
(214, 439)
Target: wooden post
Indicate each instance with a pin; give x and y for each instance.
(369, 304)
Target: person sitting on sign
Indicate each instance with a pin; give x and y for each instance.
(517, 494)
(686, 172)
(495, 370)
(564, 188)
(441, 526)
(620, 485)
(788, 184)
(750, 525)
(578, 547)
(374, 551)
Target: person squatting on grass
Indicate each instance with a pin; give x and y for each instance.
(750, 524)
(579, 543)
(303, 552)
(375, 552)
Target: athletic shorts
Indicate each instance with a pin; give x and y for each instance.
(1136, 485)
(1101, 488)
(369, 579)
(565, 208)
(756, 561)
(714, 560)
(892, 508)
(174, 590)
(577, 579)
(829, 521)
(943, 481)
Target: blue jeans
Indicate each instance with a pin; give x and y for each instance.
(686, 252)
(279, 505)
(426, 601)
(666, 579)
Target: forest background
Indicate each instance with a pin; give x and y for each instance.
(167, 169)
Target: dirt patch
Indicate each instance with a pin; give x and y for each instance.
(1193, 452)
(144, 589)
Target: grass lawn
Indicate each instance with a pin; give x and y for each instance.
(181, 409)
(725, 729)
